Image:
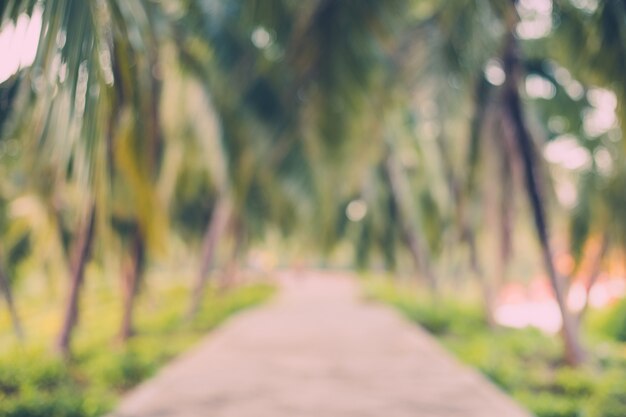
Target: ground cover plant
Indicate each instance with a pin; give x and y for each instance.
(525, 362)
(34, 382)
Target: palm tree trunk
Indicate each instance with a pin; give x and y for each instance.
(230, 276)
(505, 218)
(7, 293)
(133, 273)
(467, 234)
(399, 189)
(486, 288)
(214, 231)
(593, 275)
(81, 254)
(512, 102)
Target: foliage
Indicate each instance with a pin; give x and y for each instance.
(35, 384)
(523, 362)
(611, 398)
(612, 321)
(150, 113)
(439, 317)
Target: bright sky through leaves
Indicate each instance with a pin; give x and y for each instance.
(18, 44)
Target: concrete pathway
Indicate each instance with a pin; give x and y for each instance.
(318, 350)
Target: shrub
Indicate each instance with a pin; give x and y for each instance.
(126, 370)
(33, 384)
(610, 399)
(37, 404)
(545, 404)
(32, 372)
(435, 320)
(9, 382)
(574, 382)
(615, 326)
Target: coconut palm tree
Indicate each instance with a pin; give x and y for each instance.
(89, 61)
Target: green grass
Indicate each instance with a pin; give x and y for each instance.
(33, 383)
(525, 363)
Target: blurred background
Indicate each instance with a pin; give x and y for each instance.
(160, 160)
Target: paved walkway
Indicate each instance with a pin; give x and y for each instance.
(318, 350)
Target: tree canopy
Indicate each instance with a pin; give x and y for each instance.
(409, 132)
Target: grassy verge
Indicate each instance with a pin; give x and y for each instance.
(525, 363)
(35, 384)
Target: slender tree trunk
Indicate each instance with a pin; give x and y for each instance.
(7, 293)
(512, 101)
(55, 212)
(480, 104)
(399, 189)
(214, 231)
(503, 220)
(133, 273)
(231, 272)
(505, 214)
(593, 275)
(486, 288)
(80, 256)
(417, 254)
(480, 112)
(467, 235)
